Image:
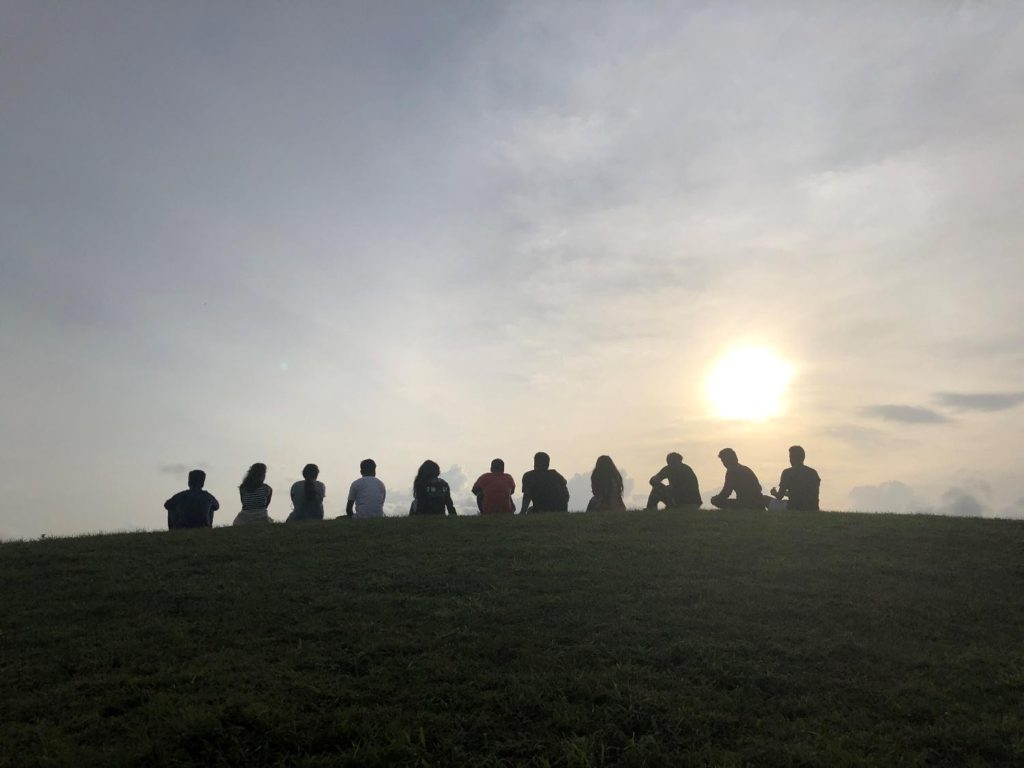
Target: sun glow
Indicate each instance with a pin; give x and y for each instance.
(749, 384)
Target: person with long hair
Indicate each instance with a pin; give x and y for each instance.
(255, 495)
(606, 485)
(430, 494)
(308, 496)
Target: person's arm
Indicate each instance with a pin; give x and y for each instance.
(726, 489)
(476, 490)
(270, 495)
(450, 504)
(351, 503)
(783, 488)
(170, 502)
(659, 478)
(215, 505)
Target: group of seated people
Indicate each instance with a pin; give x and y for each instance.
(544, 490)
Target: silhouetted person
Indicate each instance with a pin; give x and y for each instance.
(799, 482)
(255, 495)
(682, 490)
(308, 496)
(606, 485)
(192, 508)
(431, 494)
(740, 479)
(366, 495)
(494, 490)
(544, 490)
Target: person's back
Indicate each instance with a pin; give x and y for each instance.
(308, 496)
(434, 497)
(367, 494)
(495, 488)
(191, 508)
(606, 486)
(803, 485)
(748, 488)
(547, 490)
(682, 490)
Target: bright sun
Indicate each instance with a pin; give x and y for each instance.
(748, 384)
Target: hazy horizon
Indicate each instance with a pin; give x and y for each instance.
(314, 233)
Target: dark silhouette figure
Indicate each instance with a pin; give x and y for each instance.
(682, 490)
(255, 495)
(308, 496)
(606, 485)
(431, 494)
(544, 488)
(366, 495)
(799, 482)
(192, 508)
(494, 489)
(743, 481)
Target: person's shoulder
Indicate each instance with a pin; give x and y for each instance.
(812, 472)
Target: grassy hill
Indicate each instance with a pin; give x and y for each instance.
(636, 639)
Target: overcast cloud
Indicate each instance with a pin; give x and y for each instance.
(295, 232)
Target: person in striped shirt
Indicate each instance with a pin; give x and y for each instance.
(255, 495)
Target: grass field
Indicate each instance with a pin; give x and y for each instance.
(670, 639)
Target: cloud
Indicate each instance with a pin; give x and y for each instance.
(979, 401)
(178, 468)
(1015, 510)
(959, 502)
(905, 414)
(891, 496)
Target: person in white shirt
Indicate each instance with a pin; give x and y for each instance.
(366, 496)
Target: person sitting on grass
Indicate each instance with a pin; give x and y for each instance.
(743, 481)
(544, 489)
(255, 495)
(682, 491)
(494, 490)
(366, 495)
(606, 485)
(308, 496)
(192, 508)
(431, 494)
(799, 482)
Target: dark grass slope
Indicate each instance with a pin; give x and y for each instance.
(635, 639)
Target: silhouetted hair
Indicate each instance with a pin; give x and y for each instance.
(196, 478)
(254, 477)
(728, 453)
(497, 465)
(798, 451)
(674, 458)
(310, 472)
(606, 480)
(367, 467)
(428, 471)
(541, 460)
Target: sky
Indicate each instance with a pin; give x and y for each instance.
(321, 232)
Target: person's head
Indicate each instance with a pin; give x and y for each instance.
(367, 467)
(541, 460)
(606, 474)
(497, 465)
(728, 457)
(254, 477)
(796, 455)
(196, 478)
(428, 471)
(674, 458)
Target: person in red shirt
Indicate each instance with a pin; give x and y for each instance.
(494, 490)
